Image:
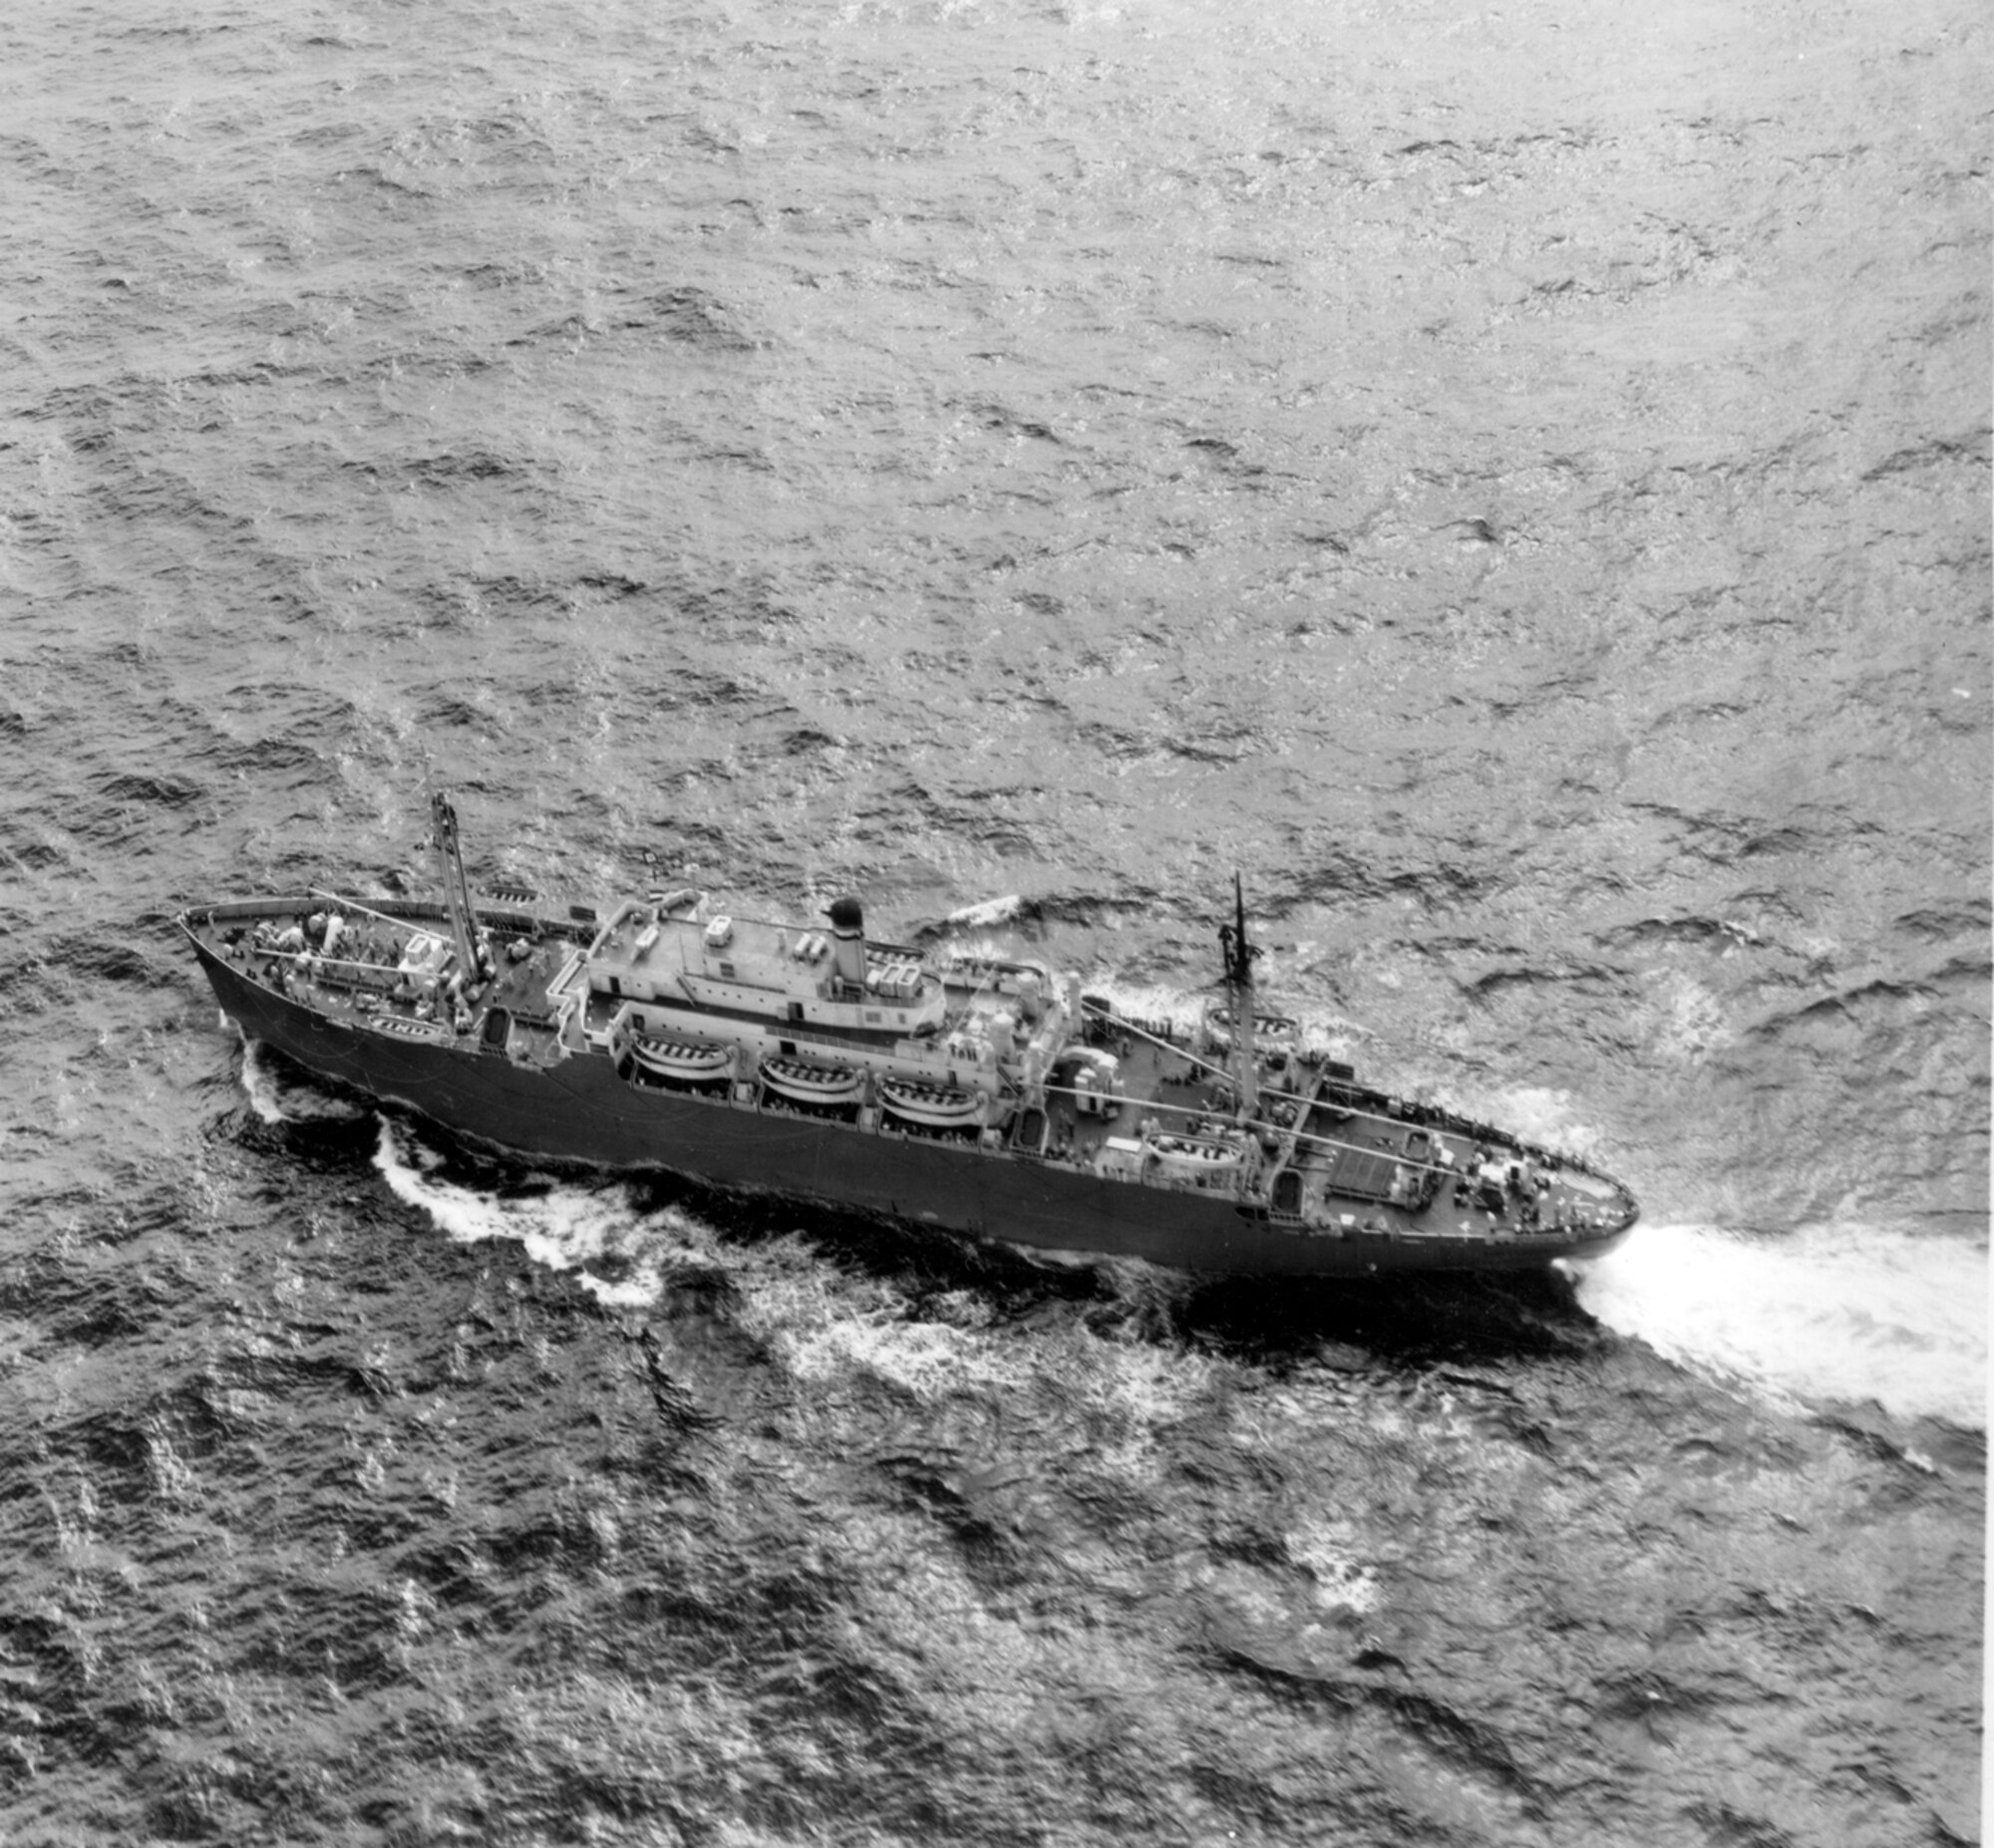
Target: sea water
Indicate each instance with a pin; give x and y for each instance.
(1510, 485)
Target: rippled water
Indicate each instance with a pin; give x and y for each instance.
(1512, 485)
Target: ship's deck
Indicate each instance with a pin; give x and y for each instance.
(1334, 1152)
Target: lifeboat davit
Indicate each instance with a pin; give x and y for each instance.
(942, 1106)
(686, 1061)
(809, 1082)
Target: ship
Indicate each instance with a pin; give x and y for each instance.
(943, 1086)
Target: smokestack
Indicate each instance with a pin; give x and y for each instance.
(847, 926)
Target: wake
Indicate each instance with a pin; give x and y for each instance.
(1835, 1312)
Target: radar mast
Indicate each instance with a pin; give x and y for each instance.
(1239, 955)
(455, 892)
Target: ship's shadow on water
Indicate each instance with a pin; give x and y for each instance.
(325, 1144)
(1403, 1324)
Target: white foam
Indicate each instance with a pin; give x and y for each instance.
(988, 915)
(1538, 1113)
(822, 1324)
(258, 1086)
(565, 1227)
(1326, 1548)
(285, 1099)
(1147, 1001)
(1827, 1313)
(825, 1325)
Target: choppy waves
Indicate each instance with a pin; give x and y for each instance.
(1512, 487)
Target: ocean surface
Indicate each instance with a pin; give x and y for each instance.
(1513, 484)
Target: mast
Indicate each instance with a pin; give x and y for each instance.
(456, 893)
(1239, 955)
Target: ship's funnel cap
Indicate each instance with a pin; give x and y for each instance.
(847, 917)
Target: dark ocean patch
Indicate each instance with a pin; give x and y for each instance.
(1441, 883)
(1387, 1330)
(691, 315)
(1726, 840)
(1967, 450)
(1711, 933)
(460, 603)
(567, 328)
(396, 187)
(703, 689)
(450, 710)
(1590, 979)
(31, 855)
(153, 791)
(1000, 417)
(1947, 923)
(448, 468)
(107, 956)
(743, 606)
(612, 583)
(1219, 454)
(1865, 1007)
(271, 757)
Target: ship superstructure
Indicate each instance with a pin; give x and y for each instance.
(970, 1091)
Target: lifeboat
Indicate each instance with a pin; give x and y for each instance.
(687, 1061)
(1195, 1154)
(809, 1082)
(407, 1027)
(940, 1106)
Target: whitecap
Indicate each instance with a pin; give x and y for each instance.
(1326, 1547)
(987, 915)
(824, 1326)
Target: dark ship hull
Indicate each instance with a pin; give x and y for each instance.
(1045, 1181)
